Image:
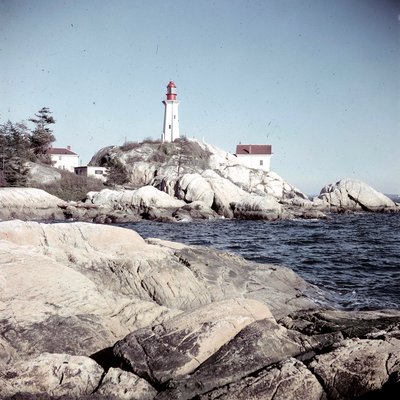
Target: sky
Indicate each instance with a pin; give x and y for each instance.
(319, 80)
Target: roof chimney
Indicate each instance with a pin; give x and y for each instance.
(69, 147)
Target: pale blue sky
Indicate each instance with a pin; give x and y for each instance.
(319, 80)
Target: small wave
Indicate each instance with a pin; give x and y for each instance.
(348, 252)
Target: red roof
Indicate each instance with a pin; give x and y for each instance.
(253, 149)
(60, 151)
(171, 84)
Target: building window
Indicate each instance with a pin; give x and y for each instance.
(261, 162)
(98, 172)
(174, 116)
(60, 158)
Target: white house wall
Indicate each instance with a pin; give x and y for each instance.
(65, 161)
(256, 161)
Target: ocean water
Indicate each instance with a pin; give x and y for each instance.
(354, 258)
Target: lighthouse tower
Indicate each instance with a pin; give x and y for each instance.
(171, 118)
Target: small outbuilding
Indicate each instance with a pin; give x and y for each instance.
(94, 172)
(256, 156)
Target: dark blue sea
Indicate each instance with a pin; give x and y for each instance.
(355, 258)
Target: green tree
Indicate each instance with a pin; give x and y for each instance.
(117, 174)
(14, 153)
(42, 136)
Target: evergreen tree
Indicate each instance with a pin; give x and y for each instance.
(14, 153)
(117, 173)
(42, 136)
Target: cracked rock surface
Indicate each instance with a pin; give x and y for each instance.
(96, 312)
(182, 344)
(358, 367)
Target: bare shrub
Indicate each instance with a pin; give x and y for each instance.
(150, 140)
(71, 187)
(130, 146)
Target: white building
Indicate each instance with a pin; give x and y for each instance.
(63, 158)
(94, 172)
(171, 116)
(256, 156)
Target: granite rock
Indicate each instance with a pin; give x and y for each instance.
(359, 367)
(29, 204)
(53, 374)
(286, 380)
(125, 385)
(180, 345)
(353, 195)
(258, 346)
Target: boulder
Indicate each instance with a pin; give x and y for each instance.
(29, 204)
(358, 367)
(139, 199)
(353, 195)
(195, 210)
(194, 187)
(125, 385)
(53, 374)
(225, 193)
(42, 173)
(257, 207)
(140, 172)
(256, 347)
(286, 380)
(261, 182)
(127, 205)
(180, 345)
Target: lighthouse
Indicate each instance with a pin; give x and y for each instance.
(171, 116)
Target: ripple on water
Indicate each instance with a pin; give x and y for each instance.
(355, 257)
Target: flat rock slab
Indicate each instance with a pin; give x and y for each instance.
(225, 275)
(53, 374)
(361, 324)
(256, 347)
(29, 204)
(178, 346)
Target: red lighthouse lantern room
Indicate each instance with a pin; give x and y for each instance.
(171, 91)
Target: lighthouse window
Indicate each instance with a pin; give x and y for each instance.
(174, 116)
(169, 126)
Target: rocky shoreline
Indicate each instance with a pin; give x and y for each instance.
(94, 311)
(90, 311)
(188, 180)
(147, 202)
